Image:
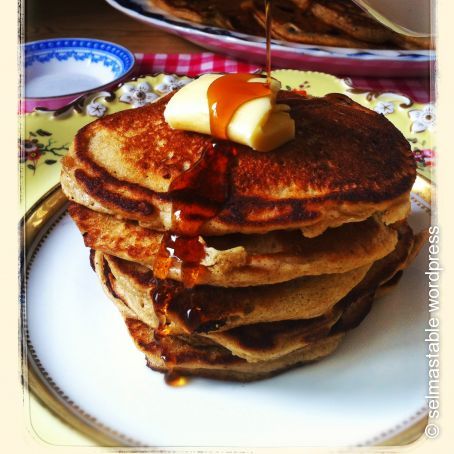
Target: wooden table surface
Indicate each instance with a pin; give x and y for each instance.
(96, 19)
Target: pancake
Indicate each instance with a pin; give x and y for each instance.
(232, 15)
(256, 342)
(302, 5)
(207, 309)
(259, 355)
(407, 248)
(217, 362)
(277, 340)
(345, 164)
(213, 12)
(254, 351)
(381, 277)
(189, 354)
(413, 42)
(301, 26)
(188, 10)
(266, 341)
(344, 15)
(245, 260)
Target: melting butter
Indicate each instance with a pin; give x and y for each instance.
(259, 123)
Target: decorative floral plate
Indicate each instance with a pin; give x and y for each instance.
(339, 60)
(47, 135)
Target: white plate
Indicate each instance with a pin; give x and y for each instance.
(371, 389)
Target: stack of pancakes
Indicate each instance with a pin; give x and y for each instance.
(307, 235)
(319, 22)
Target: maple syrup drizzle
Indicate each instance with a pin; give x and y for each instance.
(226, 94)
(185, 249)
(172, 378)
(162, 297)
(197, 195)
(268, 21)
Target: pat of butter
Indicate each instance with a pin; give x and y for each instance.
(259, 123)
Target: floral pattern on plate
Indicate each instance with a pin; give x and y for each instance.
(36, 148)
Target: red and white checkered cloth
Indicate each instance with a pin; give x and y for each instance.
(418, 89)
(191, 64)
